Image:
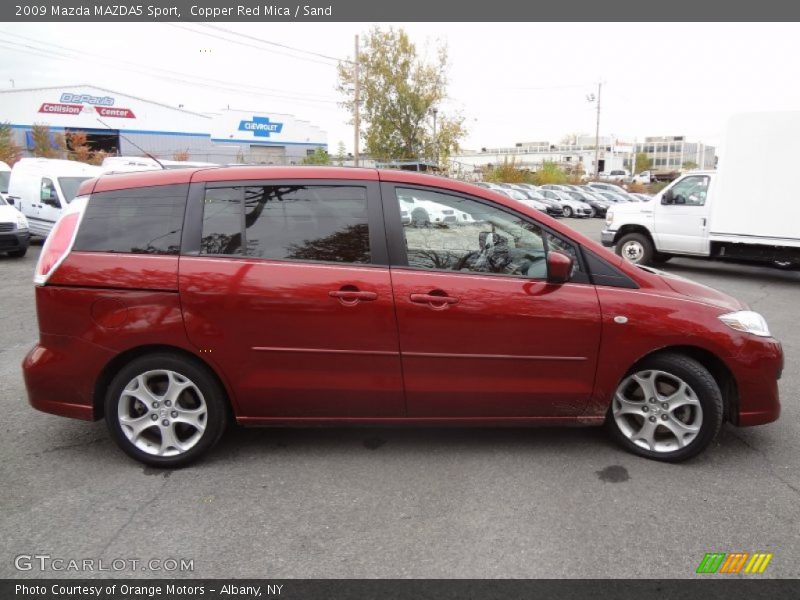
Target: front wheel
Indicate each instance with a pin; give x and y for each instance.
(667, 408)
(567, 211)
(165, 410)
(636, 248)
(18, 253)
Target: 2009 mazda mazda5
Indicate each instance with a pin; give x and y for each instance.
(174, 302)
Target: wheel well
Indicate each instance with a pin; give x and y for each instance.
(118, 362)
(626, 229)
(719, 371)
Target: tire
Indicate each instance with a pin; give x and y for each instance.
(567, 211)
(679, 422)
(636, 248)
(592, 213)
(199, 404)
(18, 253)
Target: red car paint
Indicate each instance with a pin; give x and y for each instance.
(296, 342)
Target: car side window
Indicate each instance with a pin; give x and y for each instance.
(48, 190)
(692, 191)
(325, 223)
(446, 232)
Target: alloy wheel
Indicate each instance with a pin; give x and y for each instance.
(657, 411)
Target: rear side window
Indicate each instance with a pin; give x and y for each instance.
(325, 223)
(145, 220)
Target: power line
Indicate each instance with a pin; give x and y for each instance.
(218, 28)
(172, 76)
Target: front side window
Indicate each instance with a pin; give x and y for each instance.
(691, 191)
(458, 234)
(325, 223)
(49, 193)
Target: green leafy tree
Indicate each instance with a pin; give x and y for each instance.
(10, 152)
(642, 162)
(398, 92)
(507, 172)
(320, 157)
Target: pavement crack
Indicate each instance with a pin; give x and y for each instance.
(132, 516)
(71, 446)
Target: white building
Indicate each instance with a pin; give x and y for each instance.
(122, 124)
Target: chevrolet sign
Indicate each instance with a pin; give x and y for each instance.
(260, 126)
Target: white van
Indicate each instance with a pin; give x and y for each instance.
(42, 187)
(5, 175)
(127, 164)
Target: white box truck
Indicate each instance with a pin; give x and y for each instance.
(747, 210)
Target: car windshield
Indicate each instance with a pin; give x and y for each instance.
(5, 176)
(70, 185)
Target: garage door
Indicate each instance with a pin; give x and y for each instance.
(268, 155)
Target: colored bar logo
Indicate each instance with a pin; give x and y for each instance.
(732, 563)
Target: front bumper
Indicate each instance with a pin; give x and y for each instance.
(757, 368)
(14, 240)
(607, 237)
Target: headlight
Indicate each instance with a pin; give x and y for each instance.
(747, 321)
(22, 222)
(609, 217)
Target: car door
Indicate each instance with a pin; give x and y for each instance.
(285, 285)
(681, 223)
(482, 333)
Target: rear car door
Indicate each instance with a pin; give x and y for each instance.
(285, 285)
(482, 333)
(681, 223)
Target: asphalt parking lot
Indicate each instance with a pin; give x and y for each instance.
(381, 502)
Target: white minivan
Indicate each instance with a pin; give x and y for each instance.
(42, 187)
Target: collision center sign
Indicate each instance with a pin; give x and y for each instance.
(73, 104)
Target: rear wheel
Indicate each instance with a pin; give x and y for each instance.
(636, 248)
(667, 408)
(18, 253)
(165, 410)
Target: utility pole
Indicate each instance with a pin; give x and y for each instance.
(356, 113)
(435, 140)
(597, 135)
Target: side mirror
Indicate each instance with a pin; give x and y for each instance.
(559, 267)
(667, 198)
(52, 202)
(10, 200)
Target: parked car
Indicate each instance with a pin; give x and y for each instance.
(553, 208)
(570, 206)
(642, 197)
(619, 175)
(616, 198)
(5, 175)
(128, 164)
(14, 233)
(42, 187)
(170, 303)
(520, 196)
(606, 187)
(422, 213)
(599, 205)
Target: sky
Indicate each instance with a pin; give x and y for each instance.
(512, 82)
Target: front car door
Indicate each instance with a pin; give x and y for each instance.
(482, 333)
(285, 285)
(681, 223)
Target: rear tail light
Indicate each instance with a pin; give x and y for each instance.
(60, 241)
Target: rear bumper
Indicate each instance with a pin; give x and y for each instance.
(14, 240)
(60, 374)
(607, 237)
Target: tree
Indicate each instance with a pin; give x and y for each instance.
(181, 155)
(320, 157)
(688, 165)
(45, 143)
(642, 163)
(508, 172)
(398, 92)
(341, 155)
(10, 152)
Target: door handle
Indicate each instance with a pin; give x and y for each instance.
(435, 301)
(703, 222)
(352, 297)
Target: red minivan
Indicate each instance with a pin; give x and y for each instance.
(174, 302)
